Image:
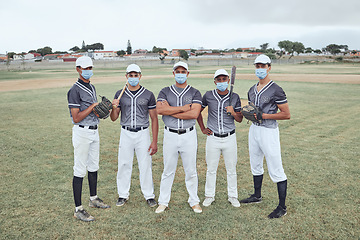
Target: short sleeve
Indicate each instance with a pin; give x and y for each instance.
(197, 97)
(280, 96)
(162, 95)
(152, 102)
(204, 101)
(237, 107)
(73, 98)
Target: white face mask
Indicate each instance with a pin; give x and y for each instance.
(261, 73)
(180, 78)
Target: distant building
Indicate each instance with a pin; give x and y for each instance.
(176, 52)
(104, 54)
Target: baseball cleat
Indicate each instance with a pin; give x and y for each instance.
(208, 201)
(98, 203)
(252, 199)
(234, 201)
(160, 208)
(151, 202)
(121, 201)
(196, 208)
(278, 212)
(83, 215)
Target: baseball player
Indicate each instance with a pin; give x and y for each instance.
(180, 106)
(221, 137)
(264, 139)
(85, 137)
(136, 104)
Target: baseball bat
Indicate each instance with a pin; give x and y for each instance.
(232, 81)
(122, 92)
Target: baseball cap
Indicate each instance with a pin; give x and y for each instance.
(133, 68)
(262, 59)
(220, 72)
(84, 62)
(181, 64)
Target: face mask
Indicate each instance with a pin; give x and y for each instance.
(180, 78)
(87, 74)
(133, 81)
(222, 86)
(261, 73)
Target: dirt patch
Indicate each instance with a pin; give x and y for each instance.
(17, 85)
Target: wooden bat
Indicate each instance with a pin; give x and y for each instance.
(232, 81)
(122, 92)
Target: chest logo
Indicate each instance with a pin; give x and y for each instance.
(142, 101)
(265, 99)
(187, 100)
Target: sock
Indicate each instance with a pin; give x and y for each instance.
(93, 197)
(282, 186)
(79, 208)
(92, 177)
(77, 188)
(257, 185)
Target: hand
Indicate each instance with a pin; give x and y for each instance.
(115, 103)
(230, 109)
(153, 148)
(207, 131)
(186, 108)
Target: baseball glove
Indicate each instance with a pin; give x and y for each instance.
(102, 109)
(249, 112)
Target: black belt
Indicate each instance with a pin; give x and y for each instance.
(89, 127)
(179, 131)
(224, 135)
(134, 129)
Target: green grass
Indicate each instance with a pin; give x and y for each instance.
(320, 155)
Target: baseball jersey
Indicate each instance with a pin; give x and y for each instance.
(267, 100)
(81, 95)
(176, 98)
(135, 107)
(218, 120)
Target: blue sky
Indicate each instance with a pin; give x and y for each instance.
(28, 25)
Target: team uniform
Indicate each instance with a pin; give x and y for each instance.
(179, 138)
(264, 139)
(85, 138)
(221, 141)
(135, 136)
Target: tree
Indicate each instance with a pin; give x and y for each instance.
(32, 51)
(129, 49)
(317, 51)
(158, 50)
(308, 50)
(83, 46)
(291, 47)
(183, 54)
(60, 52)
(334, 48)
(95, 46)
(45, 50)
(74, 49)
(11, 54)
(264, 46)
(121, 53)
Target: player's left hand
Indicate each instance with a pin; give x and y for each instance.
(207, 131)
(153, 148)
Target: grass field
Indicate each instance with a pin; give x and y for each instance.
(320, 147)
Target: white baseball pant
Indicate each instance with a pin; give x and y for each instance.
(86, 144)
(266, 142)
(214, 147)
(186, 145)
(138, 142)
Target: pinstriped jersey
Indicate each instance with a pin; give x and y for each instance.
(135, 107)
(188, 95)
(82, 96)
(218, 120)
(267, 100)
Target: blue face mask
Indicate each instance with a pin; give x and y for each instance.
(222, 86)
(133, 81)
(261, 73)
(180, 78)
(87, 74)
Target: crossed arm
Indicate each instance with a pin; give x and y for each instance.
(188, 111)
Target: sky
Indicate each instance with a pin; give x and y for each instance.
(210, 24)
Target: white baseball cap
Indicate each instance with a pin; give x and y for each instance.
(133, 68)
(220, 72)
(262, 59)
(84, 62)
(181, 64)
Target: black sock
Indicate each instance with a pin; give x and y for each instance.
(282, 186)
(92, 177)
(257, 185)
(77, 188)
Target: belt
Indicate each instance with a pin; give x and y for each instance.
(179, 131)
(224, 135)
(134, 129)
(89, 127)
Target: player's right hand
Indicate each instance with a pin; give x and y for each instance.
(115, 102)
(207, 131)
(186, 108)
